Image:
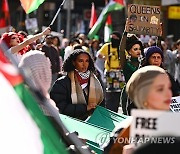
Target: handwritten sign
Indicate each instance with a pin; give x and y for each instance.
(145, 19)
(151, 124)
(175, 104)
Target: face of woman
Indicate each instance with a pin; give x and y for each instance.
(14, 40)
(159, 96)
(135, 51)
(82, 62)
(155, 59)
(55, 41)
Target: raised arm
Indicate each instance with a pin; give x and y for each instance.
(26, 42)
(123, 43)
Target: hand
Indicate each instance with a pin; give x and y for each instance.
(128, 149)
(39, 46)
(47, 31)
(161, 29)
(128, 24)
(91, 106)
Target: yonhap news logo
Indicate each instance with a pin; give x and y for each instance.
(103, 138)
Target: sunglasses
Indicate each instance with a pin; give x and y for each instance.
(14, 38)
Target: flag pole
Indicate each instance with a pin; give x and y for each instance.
(71, 139)
(53, 20)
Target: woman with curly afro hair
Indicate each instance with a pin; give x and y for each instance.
(79, 92)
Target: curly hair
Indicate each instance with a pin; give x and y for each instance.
(68, 64)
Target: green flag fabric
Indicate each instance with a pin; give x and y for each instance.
(97, 129)
(31, 5)
(106, 118)
(85, 130)
(24, 127)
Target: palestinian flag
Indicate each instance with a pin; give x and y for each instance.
(4, 16)
(31, 5)
(108, 29)
(24, 128)
(93, 16)
(111, 6)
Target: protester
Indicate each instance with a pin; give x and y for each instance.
(177, 61)
(155, 56)
(130, 61)
(38, 67)
(79, 92)
(14, 44)
(110, 53)
(69, 49)
(56, 43)
(168, 60)
(149, 88)
(98, 62)
(52, 54)
(64, 44)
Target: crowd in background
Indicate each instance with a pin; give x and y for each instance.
(59, 49)
(65, 57)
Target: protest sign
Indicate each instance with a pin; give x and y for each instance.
(145, 19)
(175, 104)
(31, 25)
(154, 125)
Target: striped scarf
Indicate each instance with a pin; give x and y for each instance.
(95, 90)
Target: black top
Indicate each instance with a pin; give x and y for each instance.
(61, 94)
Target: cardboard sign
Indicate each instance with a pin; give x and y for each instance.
(145, 19)
(175, 104)
(154, 125)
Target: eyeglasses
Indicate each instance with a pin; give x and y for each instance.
(14, 38)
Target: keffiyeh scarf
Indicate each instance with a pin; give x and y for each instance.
(95, 90)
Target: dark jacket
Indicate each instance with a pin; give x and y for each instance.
(52, 54)
(61, 94)
(175, 86)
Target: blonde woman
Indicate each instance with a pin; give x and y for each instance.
(149, 88)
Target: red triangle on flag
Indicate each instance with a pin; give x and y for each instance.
(120, 1)
(5, 17)
(10, 72)
(93, 16)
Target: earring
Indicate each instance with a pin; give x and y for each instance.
(145, 104)
(128, 57)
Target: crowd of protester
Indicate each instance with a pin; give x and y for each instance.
(77, 74)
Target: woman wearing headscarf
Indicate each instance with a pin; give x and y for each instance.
(38, 67)
(149, 88)
(79, 92)
(154, 56)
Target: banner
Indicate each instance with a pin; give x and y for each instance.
(145, 19)
(154, 125)
(175, 104)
